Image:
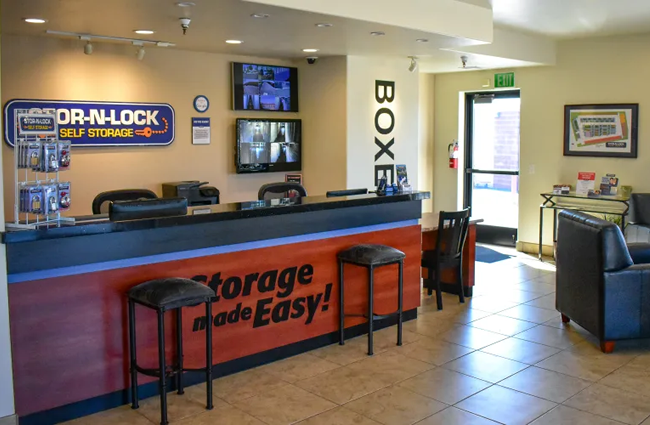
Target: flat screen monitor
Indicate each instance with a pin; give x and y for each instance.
(264, 87)
(268, 145)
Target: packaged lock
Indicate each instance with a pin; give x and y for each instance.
(34, 199)
(64, 196)
(50, 199)
(49, 158)
(64, 155)
(34, 154)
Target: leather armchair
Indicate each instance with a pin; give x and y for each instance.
(600, 286)
(639, 228)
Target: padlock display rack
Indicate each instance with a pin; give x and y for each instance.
(26, 176)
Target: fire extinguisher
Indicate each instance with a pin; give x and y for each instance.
(453, 154)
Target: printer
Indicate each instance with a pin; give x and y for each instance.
(193, 190)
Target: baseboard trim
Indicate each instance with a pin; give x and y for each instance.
(120, 398)
(9, 420)
(533, 248)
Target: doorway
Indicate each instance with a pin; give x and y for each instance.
(492, 164)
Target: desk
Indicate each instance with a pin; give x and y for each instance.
(274, 259)
(429, 223)
(614, 205)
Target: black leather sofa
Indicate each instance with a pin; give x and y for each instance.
(602, 283)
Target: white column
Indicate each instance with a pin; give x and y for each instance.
(6, 380)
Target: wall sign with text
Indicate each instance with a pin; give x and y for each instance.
(101, 123)
(384, 126)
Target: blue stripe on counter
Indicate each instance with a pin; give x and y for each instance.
(204, 252)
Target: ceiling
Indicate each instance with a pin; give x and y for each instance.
(287, 31)
(574, 18)
(283, 34)
(445, 61)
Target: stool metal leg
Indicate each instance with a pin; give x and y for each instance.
(208, 354)
(370, 309)
(179, 349)
(400, 300)
(341, 306)
(133, 358)
(163, 368)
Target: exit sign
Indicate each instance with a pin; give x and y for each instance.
(507, 79)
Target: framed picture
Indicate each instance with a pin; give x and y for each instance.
(609, 130)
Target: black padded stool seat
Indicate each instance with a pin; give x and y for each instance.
(163, 295)
(375, 255)
(371, 256)
(170, 293)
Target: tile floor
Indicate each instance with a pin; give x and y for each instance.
(503, 357)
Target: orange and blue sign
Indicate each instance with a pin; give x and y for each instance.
(99, 123)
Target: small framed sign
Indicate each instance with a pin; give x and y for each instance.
(200, 131)
(201, 103)
(293, 178)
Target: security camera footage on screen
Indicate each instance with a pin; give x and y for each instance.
(268, 142)
(267, 87)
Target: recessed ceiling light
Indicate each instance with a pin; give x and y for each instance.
(324, 25)
(234, 41)
(310, 50)
(377, 33)
(35, 20)
(260, 15)
(144, 32)
(186, 4)
(422, 40)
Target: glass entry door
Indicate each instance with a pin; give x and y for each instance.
(492, 164)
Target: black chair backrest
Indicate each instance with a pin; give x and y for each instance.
(452, 232)
(346, 192)
(100, 203)
(280, 189)
(147, 208)
(640, 208)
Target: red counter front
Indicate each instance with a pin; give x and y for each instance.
(69, 333)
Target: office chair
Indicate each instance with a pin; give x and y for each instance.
(346, 192)
(281, 190)
(101, 201)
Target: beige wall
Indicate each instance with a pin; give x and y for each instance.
(323, 100)
(50, 68)
(606, 70)
(426, 146)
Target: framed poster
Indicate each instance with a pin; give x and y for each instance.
(609, 130)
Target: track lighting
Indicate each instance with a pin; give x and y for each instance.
(414, 64)
(88, 48)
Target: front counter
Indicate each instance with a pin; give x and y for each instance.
(273, 266)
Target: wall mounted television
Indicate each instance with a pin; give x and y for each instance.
(268, 145)
(264, 87)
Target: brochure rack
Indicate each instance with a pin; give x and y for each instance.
(25, 176)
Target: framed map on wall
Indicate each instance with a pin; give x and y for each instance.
(601, 130)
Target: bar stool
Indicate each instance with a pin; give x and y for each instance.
(371, 257)
(163, 295)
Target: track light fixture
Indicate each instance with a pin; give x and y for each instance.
(140, 52)
(414, 63)
(88, 48)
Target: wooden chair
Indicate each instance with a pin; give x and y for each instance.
(452, 233)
